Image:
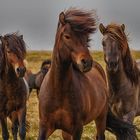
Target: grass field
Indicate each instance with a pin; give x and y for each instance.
(34, 59)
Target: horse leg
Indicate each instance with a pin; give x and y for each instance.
(14, 119)
(44, 131)
(101, 126)
(37, 92)
(22, 123)
(78, 133)
(66, 136)
(15, 129)
(5, 134)
(129, 117)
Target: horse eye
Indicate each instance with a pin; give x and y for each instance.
(67, 36)
(8, 51)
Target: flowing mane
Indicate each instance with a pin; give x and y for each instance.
(129, 63)
(1, 60)
(81, 21)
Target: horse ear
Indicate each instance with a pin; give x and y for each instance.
(3, 42)
(102, 28)
(62, 18)
(21, 36)
(3, 39)
(123, 27)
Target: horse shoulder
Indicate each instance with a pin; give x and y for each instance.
(95, 94)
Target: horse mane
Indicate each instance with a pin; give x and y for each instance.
(1, 60)
(130, 67)
(16, 40)
(76, 18)
(100, 69)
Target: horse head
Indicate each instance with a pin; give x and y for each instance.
(14, 49)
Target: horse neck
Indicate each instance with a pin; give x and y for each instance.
(9, 75)
(61, 70)
(116, 80)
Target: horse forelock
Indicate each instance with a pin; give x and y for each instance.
(130, 67)
(115, 31)
(17, 44)
(81, 21)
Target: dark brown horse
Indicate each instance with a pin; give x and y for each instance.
(34, 80)
(74, 92)
(13, 91)
(122, 72)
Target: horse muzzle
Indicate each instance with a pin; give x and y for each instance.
(85, 65)
(21, 71)
(112, 66)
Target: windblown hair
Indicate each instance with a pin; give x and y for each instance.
(15, 43)
(81, 21)
(130, 67)
(1, 60)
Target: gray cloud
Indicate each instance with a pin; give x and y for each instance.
(37, 19)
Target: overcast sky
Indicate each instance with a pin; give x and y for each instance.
(37, 19)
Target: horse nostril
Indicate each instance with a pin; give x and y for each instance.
(83, 61)
(18, 69)
(21, 70)
(113, 64)
(86, 63)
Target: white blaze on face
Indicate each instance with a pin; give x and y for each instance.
(16, 66)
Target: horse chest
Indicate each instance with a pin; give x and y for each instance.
(9, 101)
(63, 118)
(63, 114)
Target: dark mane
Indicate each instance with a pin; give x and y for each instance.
(1, 59)
(17, 41)
(129, 64)
(81, 21)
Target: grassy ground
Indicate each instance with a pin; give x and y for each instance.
(34, 59)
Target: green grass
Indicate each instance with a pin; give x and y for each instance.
(35, 59)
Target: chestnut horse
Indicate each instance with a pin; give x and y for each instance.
(13, 91)
(74, 92)
(138, 63)
(122, 72)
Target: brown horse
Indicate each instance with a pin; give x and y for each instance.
(74, 92)
(34, 80)
(13, 92)
(138, 63)
(122, 72)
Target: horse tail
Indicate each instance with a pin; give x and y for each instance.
(121, 129)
